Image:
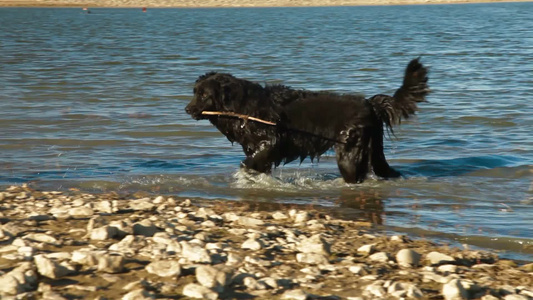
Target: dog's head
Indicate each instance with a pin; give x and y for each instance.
(215, 92)
(206, 94)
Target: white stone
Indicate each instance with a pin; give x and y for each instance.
(124, 246)
(311, 258)
(367, 249)
(447, 269)
(213, 278)
(81, 211)
(294, 295)
(164, 268)
(111, 263)
(43, 238)
(454, 290)
(21, 279)
(408, 258)
(104, 233)
(197, 291)
(515, 297)
(357, 269)
(139, 294)
(375, 290)
(252, 244)
(143, 204)
(26, 251)
(301, 217)
(314, 244)
(437, 258)
(279, 216)
(379, 257)
(49, 268)
(194, 253)
(249, 222)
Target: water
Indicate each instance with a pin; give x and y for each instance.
(96, 102)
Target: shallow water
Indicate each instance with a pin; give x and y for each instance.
(96, 102)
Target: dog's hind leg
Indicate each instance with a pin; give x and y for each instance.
(377, 157)
(353, 157)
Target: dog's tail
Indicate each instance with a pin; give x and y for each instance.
(403, 104)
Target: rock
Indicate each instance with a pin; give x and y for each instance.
(111, 263)
(143, 204)
(279, 216)
(164, 268)
(81, 211)
(139, 294)
(87, 257)
(437, 258)
(301, 217)
(527, 267)
(213, 278)
(454, 290)
(250, 222)
(252, 244)
(447, 269)
(408, 258)
(197, 291)
(515, 297)
(125, 245)
(42, 238)
(294, 295)
(366, 249)
(314, 244)
(104, 233)
(357, 269)
(194, 253)
(21, 279)
(379, 257)
(375, 290)
(26, 251)
(49, 268)
(489, 297)
(311, 258)
(104, 206)
(145, 228)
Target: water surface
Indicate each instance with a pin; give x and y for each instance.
(96, 102)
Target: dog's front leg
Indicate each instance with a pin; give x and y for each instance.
(260, 160)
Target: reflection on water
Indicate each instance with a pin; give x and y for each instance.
(95, 102)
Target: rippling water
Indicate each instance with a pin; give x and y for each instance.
(96, 102)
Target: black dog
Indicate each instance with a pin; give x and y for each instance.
(307, 123)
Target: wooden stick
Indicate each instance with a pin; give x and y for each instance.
(232, 114)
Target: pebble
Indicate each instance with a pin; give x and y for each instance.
(139, 294)
(250, 222)
(252, 244)
(164, 268)
(49, 268)
(197, 291)
(145, 228)
(104, 233)
(311, 258)
(81, 211)
(437, 258)
(213, 278)
(314, 244)
(195, 253)
(454, 290)
(111, 263)
(379, 257)
(366, 249)
(408, 258)
(297, 294)
(515, 297)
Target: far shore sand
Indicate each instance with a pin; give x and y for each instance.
(226, 3)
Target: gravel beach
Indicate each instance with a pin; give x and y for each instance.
(73, 245)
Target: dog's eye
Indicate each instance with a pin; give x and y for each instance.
(205, 96)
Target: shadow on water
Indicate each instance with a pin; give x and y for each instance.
(457, 166)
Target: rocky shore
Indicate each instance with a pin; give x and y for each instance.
(73, 245)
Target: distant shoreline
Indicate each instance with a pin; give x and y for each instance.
(229, 3)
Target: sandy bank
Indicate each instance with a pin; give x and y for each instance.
(223, 3)
(56, 245)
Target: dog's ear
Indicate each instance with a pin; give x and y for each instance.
(232, 93)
